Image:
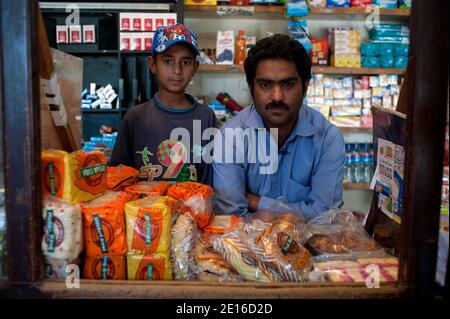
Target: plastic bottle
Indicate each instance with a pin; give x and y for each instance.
(358, 167)
(348, 164)
(368, 165)
(240, 52)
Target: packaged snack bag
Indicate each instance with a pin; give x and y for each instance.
(148, 223)
(119, 177)
(58, 268)
(104, 225)
(149, 267)
(195, 198)
(63, 230)
(221, 223)
(144, 189)
(105, 267)
(76, 177)
(184, 234)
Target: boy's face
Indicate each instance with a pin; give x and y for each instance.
(277, 92)
(174, 68)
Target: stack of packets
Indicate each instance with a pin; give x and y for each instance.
(105, 237)
(345, 47)
(388, 46)
(102, 97)
(67, 180)
(347, 101)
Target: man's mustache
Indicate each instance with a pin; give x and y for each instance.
(277, 105)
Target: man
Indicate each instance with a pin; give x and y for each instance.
(310, 151)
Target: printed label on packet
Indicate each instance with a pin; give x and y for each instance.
(51, 173)
(93, 170)
(101, 236)
(148, 230)
(105, 267)
(149, 272)
(51, 231)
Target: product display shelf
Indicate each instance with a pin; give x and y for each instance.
(315, 69)
(280, 11)
(356, 186)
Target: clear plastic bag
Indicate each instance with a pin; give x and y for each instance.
(195, 198)
(337, 234)
(184, 235)
(63, 229)
(210, 265)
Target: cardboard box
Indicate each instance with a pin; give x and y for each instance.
(69, 70)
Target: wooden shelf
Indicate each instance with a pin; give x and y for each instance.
(279, 10)
(355, 71)
(315, 69)
(356, 186)
(355, 130)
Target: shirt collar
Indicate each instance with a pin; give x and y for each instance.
(303, 127)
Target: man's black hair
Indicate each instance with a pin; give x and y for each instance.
(278, 46)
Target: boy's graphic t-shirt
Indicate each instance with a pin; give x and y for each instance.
(144, 141)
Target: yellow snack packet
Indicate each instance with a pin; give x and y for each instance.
(149, 267)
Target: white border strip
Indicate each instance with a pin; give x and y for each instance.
(106, 5)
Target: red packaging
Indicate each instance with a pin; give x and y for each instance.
(170, 22)
(319, 51)
(125, 41)
(75, 34)
(360, 3)
(136, 42)
(62, 34)
(148, 41)
(125, 22)
(148, 24)
(159, 23)
(137, 25)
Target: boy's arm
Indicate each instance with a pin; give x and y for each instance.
(122, 152)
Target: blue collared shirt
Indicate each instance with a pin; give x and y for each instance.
(309, 167)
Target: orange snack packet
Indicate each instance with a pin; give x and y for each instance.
(104, 224)
(76, 177)
(195, 198)
(221, 223)
(149, 267)
(105, 267)
(144, 189)
(119, 177)
(148, 222)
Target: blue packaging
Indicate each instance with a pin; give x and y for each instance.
(388, 4)
(401, 62)
(338, 3)
(370, 62)
(297, 8)
(386, 49)
(387, 61)
(298, 30)
(401, 49)
(404, 4)
(370, 49)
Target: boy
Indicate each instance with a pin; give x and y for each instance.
(144, 141)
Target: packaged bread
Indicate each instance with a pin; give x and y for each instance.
(235, 250)
(105, 267)
(76, 177)
(148, 222)
(63, 229)
(149, 267)
(104, 224)
(120, 177)
(58, 268)
(195, 198)
(282, 257)
(210, 265)
(184, 234)
(144, 189)
(221, 223)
